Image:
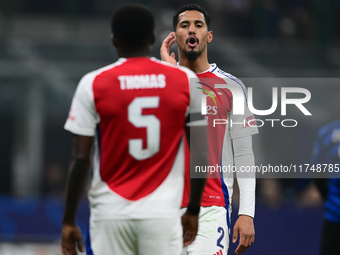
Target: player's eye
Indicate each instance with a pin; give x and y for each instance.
(184, 25)
(199, 25)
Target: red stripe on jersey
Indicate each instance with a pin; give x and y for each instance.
(213, 193)
(160, 108)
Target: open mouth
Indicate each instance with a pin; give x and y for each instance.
(192, 41)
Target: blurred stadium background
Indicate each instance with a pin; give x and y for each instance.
(46, 47)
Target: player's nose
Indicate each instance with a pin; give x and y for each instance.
(192, 29)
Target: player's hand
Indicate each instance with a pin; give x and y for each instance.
(244, 227)
(70, 239)
(165, 49)
(190, 227)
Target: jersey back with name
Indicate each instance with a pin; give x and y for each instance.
(139, 113)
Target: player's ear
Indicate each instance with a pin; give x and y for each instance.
(175, 36)
(210, 36)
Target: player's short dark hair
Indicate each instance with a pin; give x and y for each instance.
(133, 25)
(190, 7)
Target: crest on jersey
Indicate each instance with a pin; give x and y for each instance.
(212, 93)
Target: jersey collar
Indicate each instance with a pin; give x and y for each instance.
(212, 68)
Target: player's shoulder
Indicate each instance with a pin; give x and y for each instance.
(222, 74)
(176, 68)
(190, 73)
(91, 75)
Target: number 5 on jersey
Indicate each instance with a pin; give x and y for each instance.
(150, 122)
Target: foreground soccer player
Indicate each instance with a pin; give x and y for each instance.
(135, 113)
(229, 145)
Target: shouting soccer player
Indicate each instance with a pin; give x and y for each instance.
(134, 114)
(230, 143)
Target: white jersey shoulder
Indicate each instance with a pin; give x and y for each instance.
(222, 74)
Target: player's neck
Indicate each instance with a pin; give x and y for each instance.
(200, 65)
(135, 53)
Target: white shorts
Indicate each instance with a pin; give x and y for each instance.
(132, 237)
(213, 232)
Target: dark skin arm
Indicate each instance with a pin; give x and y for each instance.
(198, 150)
(77, 180)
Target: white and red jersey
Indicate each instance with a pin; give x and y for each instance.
(219, 188)
(137, 109)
